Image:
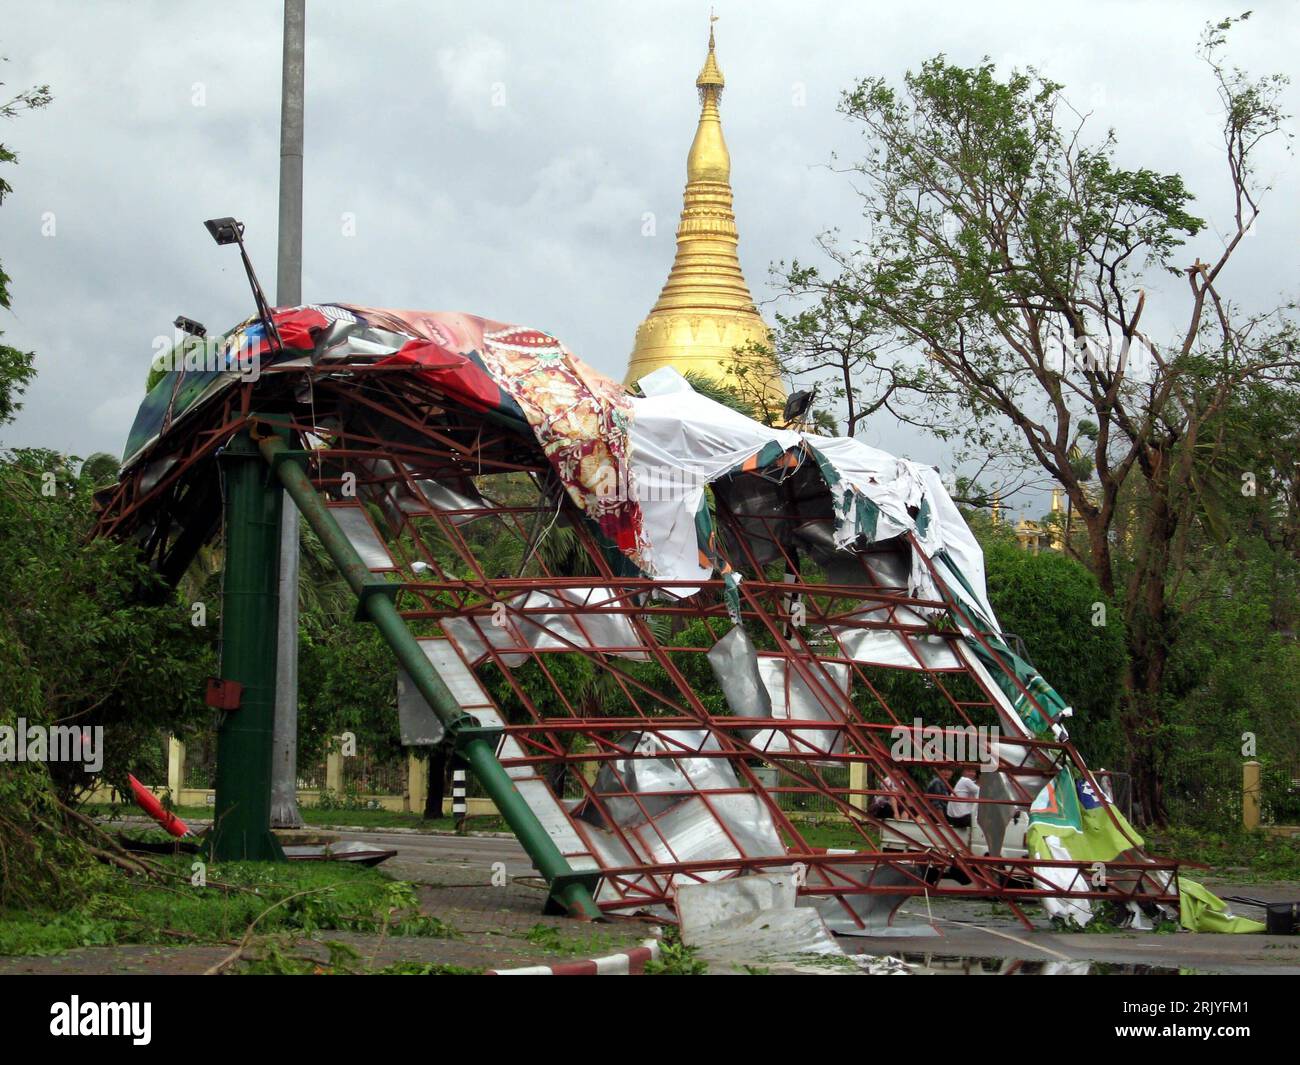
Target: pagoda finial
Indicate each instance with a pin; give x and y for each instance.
(710, 76)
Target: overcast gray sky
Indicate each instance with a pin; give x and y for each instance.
(499, 157)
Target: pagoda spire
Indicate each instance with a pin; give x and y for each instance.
(705, 310)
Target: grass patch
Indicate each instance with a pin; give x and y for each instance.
(545, 936)
(675, 957)
(415, 968)
(329, 896)
(553, 940)
(830, 833)
(1238, 855)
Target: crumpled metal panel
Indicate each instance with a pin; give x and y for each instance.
(747, 817)
(656, 765)
(693, 819)
(751, 499)
(417, 720)
(793, 699)
(894, 650)
(469, 695)
(763, 686)
(638, 775)
(752, 918)
(611, 853)
(994, 820)
(892, 569)
(608, 630)
(691, 832)
(429, 495)
(869, 914)
(473, 637)
(418, 724)
(552, 815)
(734, 662)
(817, 538)
(458, 677)
(882, 566)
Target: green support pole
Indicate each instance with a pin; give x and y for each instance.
(241, 826)
(474, 743)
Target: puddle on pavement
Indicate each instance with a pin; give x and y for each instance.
(923, 964)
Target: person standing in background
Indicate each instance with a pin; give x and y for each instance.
(960, 806)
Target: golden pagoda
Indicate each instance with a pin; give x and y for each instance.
(705, 311)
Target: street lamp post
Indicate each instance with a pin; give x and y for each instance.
(288, 293)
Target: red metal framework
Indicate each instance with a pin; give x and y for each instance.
(622, 737)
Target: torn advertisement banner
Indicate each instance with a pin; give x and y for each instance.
(1068, 821)
(1040, 709)
(1200, 910)
(1089, 828)
(680, 442)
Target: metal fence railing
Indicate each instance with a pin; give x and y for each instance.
(1280, 794)
(1203, 792)
(200, 764)
(311, 777)
(370, 776)
(362, 774)
(802, 802)
(1207, 792)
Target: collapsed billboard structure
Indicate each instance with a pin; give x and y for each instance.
(670, 626)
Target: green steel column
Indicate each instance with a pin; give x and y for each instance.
(476, 745)
(241, 827)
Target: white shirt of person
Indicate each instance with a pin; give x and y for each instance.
(965, 788)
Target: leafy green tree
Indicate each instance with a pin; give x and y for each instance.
(97, 651)
(831, 344)
(79, 647)
(1072, 633)
(347, 682)
(1233, 681)
(999, 295)
(101, 468)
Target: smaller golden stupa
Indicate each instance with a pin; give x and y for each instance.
(705, 311)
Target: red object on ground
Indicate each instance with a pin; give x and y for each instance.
(148, 802)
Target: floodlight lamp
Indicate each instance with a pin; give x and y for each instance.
(231, 231)
(225, 230)
(190, 326)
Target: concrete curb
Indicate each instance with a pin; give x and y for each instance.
(626, 963)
